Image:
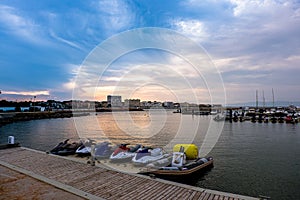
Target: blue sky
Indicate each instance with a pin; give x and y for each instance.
(254, 44)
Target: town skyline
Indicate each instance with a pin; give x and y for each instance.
(251, 47)
(260, 102)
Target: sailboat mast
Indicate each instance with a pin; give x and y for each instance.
(273, 98)
(264, 100)
(256, 98)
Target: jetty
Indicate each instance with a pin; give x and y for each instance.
(99, 182)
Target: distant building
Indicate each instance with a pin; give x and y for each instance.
(145, 104)
(168, 105)
(104, 104)
(114, 101)
(217, 108)
(132, 103)
(189, 108)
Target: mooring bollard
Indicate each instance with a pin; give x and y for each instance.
(93, 155)
(11, 140)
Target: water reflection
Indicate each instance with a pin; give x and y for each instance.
(250, 158)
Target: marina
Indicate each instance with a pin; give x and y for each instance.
(150, 100)
(96, 182)
(252, 148)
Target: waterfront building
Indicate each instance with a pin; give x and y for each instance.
(217, 108)
(132, 103)
(114, 101)
(187, 108)
(156, 105)
(145, 104)
(168, 105)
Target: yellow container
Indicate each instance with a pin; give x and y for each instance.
(190, 150)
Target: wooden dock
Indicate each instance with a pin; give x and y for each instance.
(94, 182)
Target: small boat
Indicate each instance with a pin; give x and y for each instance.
(296, 120)
(273, 119)
(241, 119)
(102, 150)
(260, 118)
(180, 166)
(235, 119)
(124, 153)
(289, 119)
(147, 155)
(85, 148)
(253, 119)
(186, 170)
(266, 119)
(65, 148)
(219, 118)
(280, 120)
(59, 147)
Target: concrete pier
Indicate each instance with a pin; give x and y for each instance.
(94, 182)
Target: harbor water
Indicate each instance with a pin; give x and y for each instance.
(250, 158)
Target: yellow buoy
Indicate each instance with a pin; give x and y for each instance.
(190, 150)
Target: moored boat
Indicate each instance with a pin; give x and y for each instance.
(102, 150)
(291, 118)
(187, 169)
(146, 155)
(124, 153)
(219, 118)
(65, 148)
(266, 119)
(180, 165)
(85, 148)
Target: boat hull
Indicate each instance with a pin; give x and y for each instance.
(180, 173)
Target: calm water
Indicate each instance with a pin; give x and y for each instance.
(250, 159)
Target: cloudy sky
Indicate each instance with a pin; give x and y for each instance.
(253, 45)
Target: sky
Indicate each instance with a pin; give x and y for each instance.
(253, 45)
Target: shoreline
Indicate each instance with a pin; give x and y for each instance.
(11, 117)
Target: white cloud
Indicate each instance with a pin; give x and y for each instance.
(292, 58)
(69, 85)
(115, 15)
(258, 7)
(19, 26)
(255, 43)
(27, 93)
(191, 28)
(60, 39)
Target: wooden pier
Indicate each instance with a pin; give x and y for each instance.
(94, 182)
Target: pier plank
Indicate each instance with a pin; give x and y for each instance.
(177, 192)
(148, 192)
(99, 187)
(183, 195)
(92, 180)
(128, 188)
(206, 196)
(211, 197)
(217, 197)
(202, 195)
(192, 195)
(100, 182)
(197, 195)
(118, 187)
(221, 197)
(162, 192)
(167, 192)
